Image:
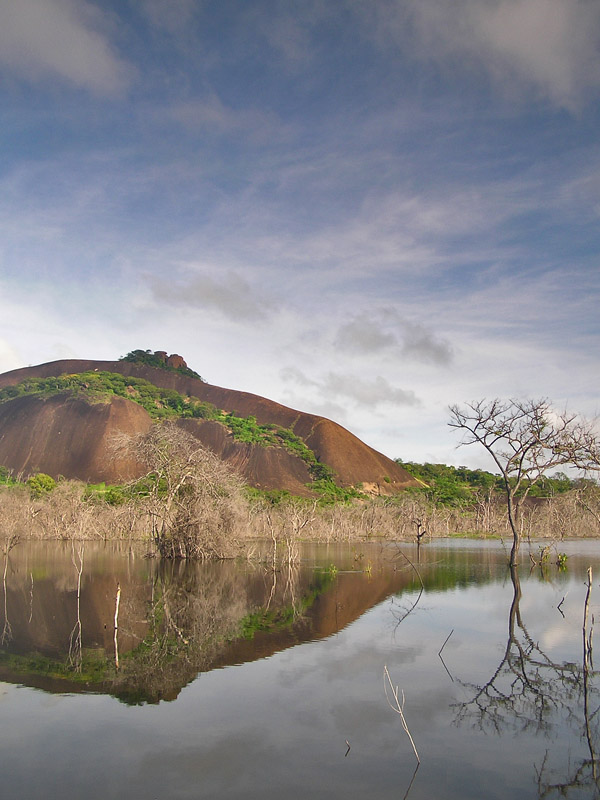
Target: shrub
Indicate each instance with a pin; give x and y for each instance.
(40, 484)
(6, 476)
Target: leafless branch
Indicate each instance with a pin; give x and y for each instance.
(397, 706)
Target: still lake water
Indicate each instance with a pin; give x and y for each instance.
(234, 681)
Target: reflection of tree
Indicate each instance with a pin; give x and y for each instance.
(192, 612)
(11, 541)
(168, 622)
(195, 613)
(75, 640)
(6, 635)
(530, 692)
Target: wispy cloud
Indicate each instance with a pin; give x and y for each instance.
(360, 391)
(210, 114)
(173, 16)
(64, 40)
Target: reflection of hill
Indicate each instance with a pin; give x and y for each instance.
(178, 619)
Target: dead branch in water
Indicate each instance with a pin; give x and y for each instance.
(445, 641)
(398, 707)
(587, 638)
(414, 605)
(11, 541)
(116, 628)
(75, 639)
(441, 657)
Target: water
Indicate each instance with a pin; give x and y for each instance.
(231, 680)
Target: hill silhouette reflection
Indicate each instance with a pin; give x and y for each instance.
(176, 620)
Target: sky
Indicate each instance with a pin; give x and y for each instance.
(365, 209)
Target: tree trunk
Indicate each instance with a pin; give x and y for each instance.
(512, 519)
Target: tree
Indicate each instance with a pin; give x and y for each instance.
(526, 438)
(193, 498)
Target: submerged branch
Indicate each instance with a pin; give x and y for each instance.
(398, 707)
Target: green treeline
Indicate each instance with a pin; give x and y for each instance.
(460, 486)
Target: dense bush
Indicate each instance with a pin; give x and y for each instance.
(40, 484)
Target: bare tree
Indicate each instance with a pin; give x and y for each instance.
(526, 438)
(194, 500)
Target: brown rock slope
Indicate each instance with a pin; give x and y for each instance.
(263, 467)
(67, 436)
(23, 423)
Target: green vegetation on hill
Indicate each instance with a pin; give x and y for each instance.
(159, 403)
(457, 486)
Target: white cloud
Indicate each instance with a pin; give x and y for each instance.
(552, 43)
(231, 295)
(548, 47)
(41, 39)
(386, 331)
(364, 335)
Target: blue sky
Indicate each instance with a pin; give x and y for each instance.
(367, 210)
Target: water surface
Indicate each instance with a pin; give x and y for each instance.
(233, 680)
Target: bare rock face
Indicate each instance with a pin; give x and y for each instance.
(176, 362)
(173, 361)
(63, 435)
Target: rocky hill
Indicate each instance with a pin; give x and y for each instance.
(65, 427)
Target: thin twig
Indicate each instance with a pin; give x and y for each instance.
(441, 657)
(444, 645)
(414, 605)
(398, 707)
(412, 780)
(413, 566)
